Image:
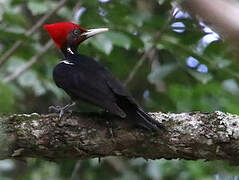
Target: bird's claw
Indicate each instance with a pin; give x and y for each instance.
(54, 108)
(61, 110)
(61, 114)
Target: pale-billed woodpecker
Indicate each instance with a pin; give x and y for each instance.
(82, 78)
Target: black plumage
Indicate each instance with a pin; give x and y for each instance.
(82, 78)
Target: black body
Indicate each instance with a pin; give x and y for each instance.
(83, 78)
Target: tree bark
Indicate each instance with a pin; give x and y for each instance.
(210, 136)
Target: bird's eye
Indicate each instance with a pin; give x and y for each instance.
(76, 32)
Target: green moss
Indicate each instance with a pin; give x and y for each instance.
(24, 117)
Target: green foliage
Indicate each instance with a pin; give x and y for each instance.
(38, 7)
(165, 81)
(14, 19)
(7, 99)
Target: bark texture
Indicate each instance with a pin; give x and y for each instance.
(210, 136)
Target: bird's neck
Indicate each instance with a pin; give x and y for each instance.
(69, 51)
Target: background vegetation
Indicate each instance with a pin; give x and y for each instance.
(168, 61)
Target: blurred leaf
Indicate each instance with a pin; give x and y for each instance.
(91, 3)
(29, 79)
(135, 41)
(6, 35)
(157, 22)
(122, 58)
(231, 86)
(90, 19)
(17, 2)
(52, 87)
(138, 18)
(65, 13)
(118, 39)
(117, 12)
(153, 169)
(161, 72)
(202, 77)
(40, 7)
(102, 43)
(198, 97)
(14, 19)
(215, 48)
(14, 63)
(7, 99)
(221, 63)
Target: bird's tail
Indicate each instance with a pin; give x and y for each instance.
(144, 120)
(136, 115)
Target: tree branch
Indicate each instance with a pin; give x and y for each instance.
(210, 136)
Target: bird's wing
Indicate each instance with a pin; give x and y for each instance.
(89, 84)
(118, 89)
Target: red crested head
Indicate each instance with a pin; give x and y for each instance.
(60, 31)
(70, 33)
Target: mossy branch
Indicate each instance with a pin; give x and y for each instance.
(210, 136)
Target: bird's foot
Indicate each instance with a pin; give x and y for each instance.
(62, 110)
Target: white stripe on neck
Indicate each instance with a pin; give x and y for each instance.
(67, 62)
(69, 50)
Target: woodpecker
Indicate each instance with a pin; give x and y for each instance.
(82, 78)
